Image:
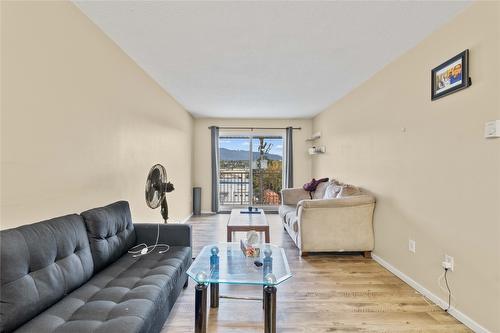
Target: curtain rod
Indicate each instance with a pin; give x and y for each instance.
(255, 128)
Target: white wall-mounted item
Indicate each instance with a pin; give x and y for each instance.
(317, 150)
(412, 245)
(315, 136)
(492, 129)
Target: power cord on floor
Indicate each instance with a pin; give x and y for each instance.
(447, 287)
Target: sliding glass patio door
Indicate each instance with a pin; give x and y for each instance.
(234, 171)
(250, 171)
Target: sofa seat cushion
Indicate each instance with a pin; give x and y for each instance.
(123, 297)
(292, 221)
(289, 215)
(285, 209)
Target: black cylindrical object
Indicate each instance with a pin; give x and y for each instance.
(269, 309)
(196, 200)
(214, 295)
(200, 308)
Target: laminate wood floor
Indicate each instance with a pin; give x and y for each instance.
(327, 293)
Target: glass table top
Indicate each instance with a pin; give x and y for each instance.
(226, 263)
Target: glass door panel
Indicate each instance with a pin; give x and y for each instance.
(234, 171)
(267, 170)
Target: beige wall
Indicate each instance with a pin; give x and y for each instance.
(81, 122)
(438, 182)
(202, 157)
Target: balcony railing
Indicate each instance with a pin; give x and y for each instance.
(234, 187)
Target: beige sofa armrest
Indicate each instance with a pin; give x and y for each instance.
(343, 224)
(357, 200)
(291, 196)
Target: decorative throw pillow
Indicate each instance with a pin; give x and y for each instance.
(320, 190)
(312, 185)
(332, 190)
(348, 191)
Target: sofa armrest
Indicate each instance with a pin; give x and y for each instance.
(340, 224)
(170, 234)
(291, 196)
(357, 200)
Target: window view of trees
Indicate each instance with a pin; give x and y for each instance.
(267, 180)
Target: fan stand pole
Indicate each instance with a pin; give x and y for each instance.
(164, 209)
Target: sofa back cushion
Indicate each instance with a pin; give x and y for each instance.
(40, 264)
(110, 232)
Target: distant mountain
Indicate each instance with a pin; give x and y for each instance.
(242, 155)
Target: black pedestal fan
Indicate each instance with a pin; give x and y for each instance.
(157, 188)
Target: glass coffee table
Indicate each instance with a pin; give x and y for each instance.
(226, 263)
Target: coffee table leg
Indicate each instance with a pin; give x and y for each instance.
(269, 309)
(229, 235)
(263, 296)
(268, 239)
(214, 295)
(200, 308)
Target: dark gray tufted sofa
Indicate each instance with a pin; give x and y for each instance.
(73, 274)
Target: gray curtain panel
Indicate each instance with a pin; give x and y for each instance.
(289, 158)
(214, 132)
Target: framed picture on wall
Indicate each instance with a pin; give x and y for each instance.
(451, 76)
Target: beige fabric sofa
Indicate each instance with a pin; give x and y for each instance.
(343, 221)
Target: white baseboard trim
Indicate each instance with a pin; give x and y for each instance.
(467, 321)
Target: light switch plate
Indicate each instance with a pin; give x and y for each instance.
(492, 129)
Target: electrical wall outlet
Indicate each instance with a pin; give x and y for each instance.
(448, 262)
(412, 245)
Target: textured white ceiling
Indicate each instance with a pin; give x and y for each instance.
(265, 59)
